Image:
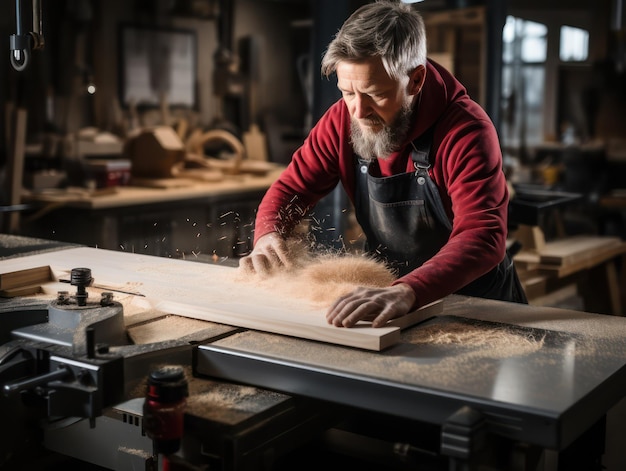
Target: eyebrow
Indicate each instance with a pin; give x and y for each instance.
(371, 89)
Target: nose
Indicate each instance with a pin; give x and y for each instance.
(362, 108)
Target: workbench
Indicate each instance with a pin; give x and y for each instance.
(586, 268)
(184, 218)
(594, 265)
(518, 387)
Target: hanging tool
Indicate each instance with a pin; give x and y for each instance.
(22, 44)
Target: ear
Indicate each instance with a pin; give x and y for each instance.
(416, 80)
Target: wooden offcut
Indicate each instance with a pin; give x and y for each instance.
(23, 278)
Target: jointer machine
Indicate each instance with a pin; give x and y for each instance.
(513, 387)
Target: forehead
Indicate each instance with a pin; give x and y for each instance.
(366, 73)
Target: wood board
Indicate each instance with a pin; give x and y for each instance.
(24, 277)
(209, 292)
(576, 249)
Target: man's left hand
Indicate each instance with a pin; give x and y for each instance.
(376, 304)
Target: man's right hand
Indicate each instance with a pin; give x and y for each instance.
(270, 253)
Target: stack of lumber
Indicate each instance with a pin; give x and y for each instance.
(571, 254)
(587, 262)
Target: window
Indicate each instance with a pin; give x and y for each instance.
(525, 48)
(157, 62)
(574, 44)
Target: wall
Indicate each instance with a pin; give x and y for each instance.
(86, 30)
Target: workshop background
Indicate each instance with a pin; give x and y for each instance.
(155, 127)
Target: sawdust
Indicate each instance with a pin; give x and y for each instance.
(323, 278)
(440, 355)
(219, 395)
(135, 452)
(225, 402)
(469, 335)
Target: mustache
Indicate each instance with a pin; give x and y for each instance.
(372, 120)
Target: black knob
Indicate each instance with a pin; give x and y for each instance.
(81, 278)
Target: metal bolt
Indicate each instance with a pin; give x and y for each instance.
(63, 297)
(106, 299)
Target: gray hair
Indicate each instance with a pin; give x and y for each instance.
(390, 30)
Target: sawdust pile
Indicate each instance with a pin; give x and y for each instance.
(224, 402)
(322, 279)
(464, 367)
(219, 395)
(467, 335)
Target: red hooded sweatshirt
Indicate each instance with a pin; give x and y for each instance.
(467, 169)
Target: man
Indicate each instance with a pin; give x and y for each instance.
(418, 158)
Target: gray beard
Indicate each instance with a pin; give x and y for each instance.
(370, 146)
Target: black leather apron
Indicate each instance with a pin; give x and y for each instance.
(405, 223)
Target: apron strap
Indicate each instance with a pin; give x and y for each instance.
(421, 149)
(422, 162)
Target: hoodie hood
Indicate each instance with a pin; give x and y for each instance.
(440, 90)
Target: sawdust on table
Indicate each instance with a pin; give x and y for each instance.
(135, 452)
(223, 402)
(468, 348)
(215, 398)
(321, 279)
(499, 339)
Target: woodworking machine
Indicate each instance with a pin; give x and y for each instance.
(74, 387)
(74, 384)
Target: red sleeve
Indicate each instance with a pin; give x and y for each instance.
(468, 172)
(314, 171)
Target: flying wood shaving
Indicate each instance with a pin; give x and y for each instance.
(322, 279)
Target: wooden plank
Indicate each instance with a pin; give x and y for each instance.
(420, 315)
(210, 292)
(20, 291)
(26, 277)
(584, 263)
(571, 250)
(308, 324)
